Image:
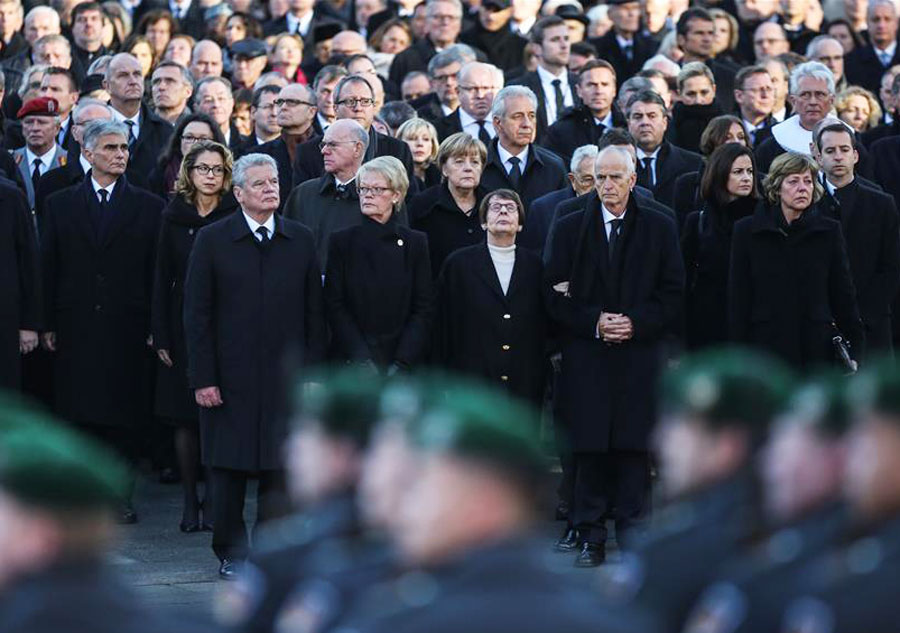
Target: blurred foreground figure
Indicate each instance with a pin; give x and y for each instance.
(58, 497)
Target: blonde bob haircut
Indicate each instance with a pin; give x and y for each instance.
(786, 165)
(459, 145)
(842, 103)
(184, 186)
(389, 168)
(415, 125)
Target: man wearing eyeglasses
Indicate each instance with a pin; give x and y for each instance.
(295, 109)
(354, 99)
(477, 84)
(443, 22)
(754, 93)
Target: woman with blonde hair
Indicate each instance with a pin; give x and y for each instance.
(858, 108)
(203, 196)
(422, 138)
(789, 286)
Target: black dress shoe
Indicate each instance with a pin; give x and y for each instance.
(569, 541)
(591, 555)
(229, 569)
(127, 515)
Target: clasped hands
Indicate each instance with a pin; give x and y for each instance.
(614, 328)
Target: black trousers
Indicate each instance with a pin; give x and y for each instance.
(229, 488)
(616, 483)
(123, 440)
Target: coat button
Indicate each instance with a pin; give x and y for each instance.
(507, 316)
(470, 231)
(505, 348)
(97, 308)
(504, 378)
(190, 231)
(399, 242)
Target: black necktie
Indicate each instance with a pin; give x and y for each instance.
(515, 174)
(560, 101)
(99, 211)
(647, 161)
(615, 226)
(263, 235)
(483, 135)
(36, 173)
(131, 137)
(628, 51)
(341, 192)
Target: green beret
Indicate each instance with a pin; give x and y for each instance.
(877, 387)
(822, 402)
(344, 402)
(727, 387)
(473, 421)
(46, 465)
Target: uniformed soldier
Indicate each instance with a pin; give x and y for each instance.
(58, 493)
(854, 586)
(716, 408)
(802, 469)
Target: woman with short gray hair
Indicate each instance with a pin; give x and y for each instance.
(378, 291)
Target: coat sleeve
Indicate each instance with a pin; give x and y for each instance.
(346, 331)
(740, 288)
(162, 293)
(578, 319)
(413, 343)
(199, 314)
(842, 296)
(49, 263)
(663, 307)
(442, 333)
(882, 287)
(316, 328)
(690, 245)
(28, 255)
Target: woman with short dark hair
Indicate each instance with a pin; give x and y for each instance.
(191, 129)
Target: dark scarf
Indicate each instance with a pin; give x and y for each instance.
(722, 217)
(183, 213)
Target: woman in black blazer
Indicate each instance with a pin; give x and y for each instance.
(378, 288)
(491, 321)
(203, 195)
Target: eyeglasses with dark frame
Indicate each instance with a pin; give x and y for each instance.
(356, 102)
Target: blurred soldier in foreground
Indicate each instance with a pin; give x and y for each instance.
(716, 407)
(58, 495)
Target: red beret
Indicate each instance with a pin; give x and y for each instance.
(42, 106)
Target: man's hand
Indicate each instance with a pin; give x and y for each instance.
(28, 340)
(48, 339)
(208, 397)
(614, 328)
(164, 357)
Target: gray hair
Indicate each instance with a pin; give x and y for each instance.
(27, 75)
(812, 48)
(101, 127)
(351, 79)
(187, 77)
(99, 65)
(874, 4)
(663, 64)
(87, 102)
(429, 7)
(623, 153)
(456, 54)
(496, 74)
(209, 80)
(391, 169)
(580, 154)
(43, 11)
(498, 108)
(241, 165)
(52, 38)
(811, 70)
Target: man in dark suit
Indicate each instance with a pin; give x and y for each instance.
(491, 34)
(870, 222)
(443, 22)
(754, 93)
(253, 293)
(477, 85)
(659, 162)
(614, 284)
(215, 98)
(595, 113)
(514, 160)
(87, 37)
(624, 46)
(443, 71)
(98, 241)
(60, 84)
(552, 83)
(866, 64)
(303, 18)
(148, 135)
(695, 35)
(354, 99)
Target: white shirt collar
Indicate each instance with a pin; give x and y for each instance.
(525, 25)
(323, 121)
(227, 135)
(338, 183)
(85, 166)
(606, 121)
(505, 156)
(304, 22)
(121, 118)
(46, 159)
(184, 6)
(109, 188)
(466, 120)
(547, 77)
(779, 115)
(253, 224)
(447, 110)
(608, 216)
(642, 154)
(890, 50)
(623, 43)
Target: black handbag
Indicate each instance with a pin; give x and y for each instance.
(842, 350)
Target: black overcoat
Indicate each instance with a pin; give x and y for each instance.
(543, 172)
(787, 284)
(436, 214)
(98, 285)
(605, 388)
(20, 282)
(180, 224)
(576, 127)
(153, 138)
(671, 162)
(378, 294)
(245, 306)
(481, 332)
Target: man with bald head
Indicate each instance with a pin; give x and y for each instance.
(148, 134)
(477, 85)
(39, 21)
(828, 51)
(348, 43)
(769, 40)
(206, 60)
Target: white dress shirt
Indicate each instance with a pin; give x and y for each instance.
(323, 121)
(550, 92)
(46, 159)
(179, 9)
(85, 166)
(887, 53)
(121, 118)
(641, 155)
(608, 217)
(505, 156)
(108, 188)
(470, 125)
(253, 224)
(299, 25)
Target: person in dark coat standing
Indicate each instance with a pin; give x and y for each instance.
(448, 213)
(614, 284)
(491, 321)
(515, 161)
(98, 244)
(866, 64)
(378, 289)
(193, 128)
(20, 285)
(491, 34)
(203, 196)
(869, 222)
(729, 193)
(443, 22)
(624, 46)
(789, 283)
(253, 293)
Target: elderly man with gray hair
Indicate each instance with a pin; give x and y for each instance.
(253, 294)
(98, 241)
(514, 160)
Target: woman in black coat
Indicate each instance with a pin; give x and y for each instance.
(422, 139)
(191, 129)
(491, 321)
(203, 196)
(789, 286)
(378, 288)
(729, 191)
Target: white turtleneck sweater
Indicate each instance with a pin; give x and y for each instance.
(504, 258)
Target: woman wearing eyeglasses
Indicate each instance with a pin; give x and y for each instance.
(192, 128)
(490, 320)
(378, 290)
(203, 195)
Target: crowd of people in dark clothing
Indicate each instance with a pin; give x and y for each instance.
(576, 206)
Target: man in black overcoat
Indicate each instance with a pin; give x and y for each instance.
(98, 243)
(614, 284)
(869, 221)
(443, 22)
(20, 284)
(253, 294)
(624, 46)
(867, 63)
